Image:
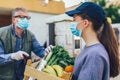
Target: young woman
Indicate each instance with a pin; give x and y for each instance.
(99, 60)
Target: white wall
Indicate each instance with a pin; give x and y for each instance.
(38, 26)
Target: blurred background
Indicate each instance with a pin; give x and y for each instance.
(51, 26)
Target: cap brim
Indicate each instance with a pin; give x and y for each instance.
(72, 12)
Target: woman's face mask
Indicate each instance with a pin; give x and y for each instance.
(73, 28)
(23, 23)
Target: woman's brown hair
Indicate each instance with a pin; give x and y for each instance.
(109, 40)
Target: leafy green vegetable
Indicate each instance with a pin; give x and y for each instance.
(60, 57)
(48, 56)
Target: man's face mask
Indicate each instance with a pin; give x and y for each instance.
(23, 23)
(73, 26)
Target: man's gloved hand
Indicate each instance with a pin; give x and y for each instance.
(48, 49)
(19, 55)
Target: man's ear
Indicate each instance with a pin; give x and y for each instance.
(13, 19)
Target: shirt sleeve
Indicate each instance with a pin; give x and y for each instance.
(37, 48)
(4, 57)
(92, 68)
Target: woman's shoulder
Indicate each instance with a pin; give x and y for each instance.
(97, 50)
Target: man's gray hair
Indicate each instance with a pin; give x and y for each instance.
(18, 9)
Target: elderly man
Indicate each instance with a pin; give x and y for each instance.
(16, 42)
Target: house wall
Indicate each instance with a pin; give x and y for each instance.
(53, 7)
(38, 26)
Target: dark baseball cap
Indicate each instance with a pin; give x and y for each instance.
(93, 10)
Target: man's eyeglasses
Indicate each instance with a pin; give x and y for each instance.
(21, 16)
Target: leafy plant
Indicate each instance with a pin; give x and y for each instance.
(113, 11)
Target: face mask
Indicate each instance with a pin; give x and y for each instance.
(23, 23)
(73, 26)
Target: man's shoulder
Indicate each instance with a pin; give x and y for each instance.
(29, 32)
(5, 28)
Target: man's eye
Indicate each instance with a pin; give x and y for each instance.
(27, 17)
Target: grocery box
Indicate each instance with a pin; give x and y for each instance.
(56, 65)
(31, 71)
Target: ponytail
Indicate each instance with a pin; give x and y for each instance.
(109, 40)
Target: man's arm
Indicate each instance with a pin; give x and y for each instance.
(37, 48)
(4, 57)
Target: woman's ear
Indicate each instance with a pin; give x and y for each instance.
(86, 23)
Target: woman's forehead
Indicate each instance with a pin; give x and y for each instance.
(76, 16)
